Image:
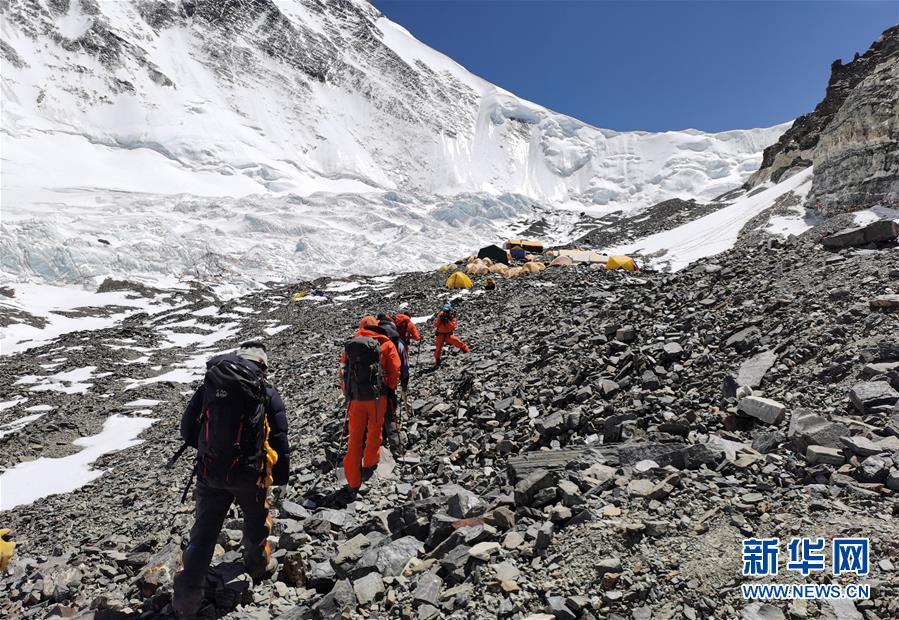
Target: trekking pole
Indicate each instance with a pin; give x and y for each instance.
(171, 462)
(400, 421)
(190, 481)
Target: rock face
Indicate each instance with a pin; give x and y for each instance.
(881, 231)
(851, 136)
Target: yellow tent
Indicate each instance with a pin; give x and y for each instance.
(299, 295)
(621, 262)
(458, 280)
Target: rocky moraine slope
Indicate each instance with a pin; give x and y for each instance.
(601, 452)
(588, 459)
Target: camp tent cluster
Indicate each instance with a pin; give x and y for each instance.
(594, 259)
(524, 257)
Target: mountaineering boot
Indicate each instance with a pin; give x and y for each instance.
(186, 600)
(342, 498)
(367, 473)
(259, 562)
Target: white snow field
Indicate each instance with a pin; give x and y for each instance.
(291, 140)
(32, 480)
(715, 232)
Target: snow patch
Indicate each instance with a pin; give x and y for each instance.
(271, 331)
(73, 381)
(13, 427)
(32, 480)
(12, 403)
(177, 375)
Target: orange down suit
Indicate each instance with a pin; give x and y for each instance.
(406, 327)
(366, 417)
(445, 331)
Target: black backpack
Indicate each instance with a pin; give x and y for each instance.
(233, 425)
(388, 328)
(363, 378)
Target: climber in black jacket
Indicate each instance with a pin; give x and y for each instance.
(215, 493)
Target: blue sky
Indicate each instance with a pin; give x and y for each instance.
(710, 65)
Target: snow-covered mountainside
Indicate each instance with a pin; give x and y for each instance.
(129, 121)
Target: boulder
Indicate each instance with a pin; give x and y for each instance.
(875, 232)
(764, 409)
(751, 373)
(744, 339)
(825, 455)
(662, 453)
(391, 558)
(342, 597)
(368, 588)
(807, 428)
(428, 590)
(885, 302)
(871, 395)
(873, 469)
(536, 481)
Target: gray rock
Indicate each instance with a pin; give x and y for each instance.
(662, 453)
(876, 369)
(825, 455)
(506, 571)
(840, 609)
(558, 607)
(293, 510)
(159, 571)
(351, 550)
(391, 558)
(427, 611)
(608, 565)
(650, 381)
(551, 425)
(873, 394)
(744, 339)
(673, 351)
(368, 588)
(609, 388)
(428, 589)
(873, 469)
(464, 504)
(767, 441)
(764, 409)
(752, 372)
(807, 428)
(544, 536)
(341, 597)
(322, 576)
(762, 611)
(892, 479)
(535, 482)
(570, 493)
(862, 446)
(626, 334)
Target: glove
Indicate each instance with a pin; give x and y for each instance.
(7, 548)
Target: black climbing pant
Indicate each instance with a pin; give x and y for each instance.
(213, 503)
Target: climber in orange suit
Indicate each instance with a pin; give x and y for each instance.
(369, 366)
(446, 325)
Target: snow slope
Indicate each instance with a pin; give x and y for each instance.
(133, 121)
(715, 232)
